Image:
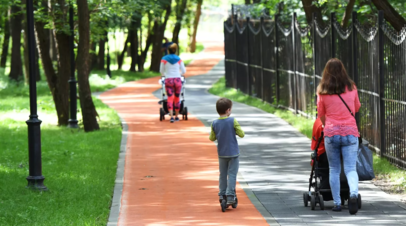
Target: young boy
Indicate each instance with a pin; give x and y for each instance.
(224, 130)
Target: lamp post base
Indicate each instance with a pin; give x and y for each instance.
(36, 183)
(73, 123)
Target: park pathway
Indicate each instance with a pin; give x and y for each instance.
(171, 170)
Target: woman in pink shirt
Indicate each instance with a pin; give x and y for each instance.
(340, 128)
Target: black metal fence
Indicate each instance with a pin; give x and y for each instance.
(282, 63)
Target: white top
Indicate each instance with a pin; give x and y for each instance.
(172, 66)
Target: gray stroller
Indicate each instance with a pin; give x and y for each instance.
(164, 101)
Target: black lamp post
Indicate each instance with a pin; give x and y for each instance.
(72, 122)
(35, 178)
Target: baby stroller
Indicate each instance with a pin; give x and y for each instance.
(164, 102)
(319, 185)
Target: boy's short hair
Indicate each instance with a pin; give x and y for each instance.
(222, 105)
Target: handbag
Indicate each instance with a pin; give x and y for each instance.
(360, 137)
(364, 164)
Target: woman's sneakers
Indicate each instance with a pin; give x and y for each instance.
(353, 204)
(336, 208)
(172, 120)
(176, 119)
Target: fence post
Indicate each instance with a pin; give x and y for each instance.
(247, 29)
(381, 82)
(333, 35)
(355, 56)
(277, 58)
(236, 52)
(314, 59)
(262, 57)
(294, 63)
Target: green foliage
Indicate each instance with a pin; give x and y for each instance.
(79, 167)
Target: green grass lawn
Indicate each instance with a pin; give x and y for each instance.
(382, 167)
(79, 167)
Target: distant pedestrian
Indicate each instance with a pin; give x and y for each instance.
(224, 130)
(336, 102)
(165, 46)
(172, 68)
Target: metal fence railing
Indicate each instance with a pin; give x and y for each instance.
(281, 62)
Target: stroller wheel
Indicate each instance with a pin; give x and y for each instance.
(161, 114)
(313, 201)
(359, 201)
(321, 202)
(305, 199)
(185, 113)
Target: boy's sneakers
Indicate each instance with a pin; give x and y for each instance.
(336, 208)
(176, 119)
(172, 120)
(230, 199)
(353, 204)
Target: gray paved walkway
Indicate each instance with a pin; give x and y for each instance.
(274, 166)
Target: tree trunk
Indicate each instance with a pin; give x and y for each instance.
(26, 60)
(59, 96)
(52, 43)
(133, 39)
(180, 11)
(148, 43)
(347, 14)
(101, 53)
(247, 2)
(309, 9)
(256, 1)
(83, 68)
(159, 29)
(391, 15)
(64, 71)
(195, 25)
(16, 72)
(6, 40)
(120, 58)
(93, 55)
(37, 63)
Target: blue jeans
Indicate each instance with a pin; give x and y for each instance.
(228, 175)
(347, 146)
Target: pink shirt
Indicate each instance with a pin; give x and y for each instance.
(339, 120)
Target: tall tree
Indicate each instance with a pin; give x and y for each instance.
(6, 40)
(195, 25)
(159, 30)
(180, 11)
(391, 15)
(347, 13)
(16, 70)
(133, 40)
(102, 48)
(83, 68)
(58, 77)
(120, 57)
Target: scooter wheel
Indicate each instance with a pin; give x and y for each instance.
(235, 204)
(223, 205)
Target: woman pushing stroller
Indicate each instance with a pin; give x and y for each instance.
(172, 68)
(336, 102)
